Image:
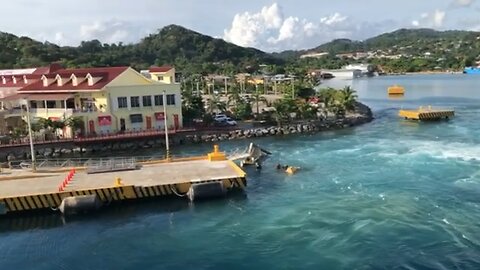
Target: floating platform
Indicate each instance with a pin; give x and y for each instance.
(36, 191)
(427, 114)
(396, 90)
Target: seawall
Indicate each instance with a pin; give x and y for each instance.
(361, 115)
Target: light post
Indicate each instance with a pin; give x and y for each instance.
(29, 126)
(167, 145)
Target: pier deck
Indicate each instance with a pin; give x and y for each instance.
(427, 114)
(37, 191)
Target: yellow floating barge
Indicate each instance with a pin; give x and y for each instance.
(190, 177)
(427, 114)
(396, 90)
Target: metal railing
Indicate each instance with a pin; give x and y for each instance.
(113, 164)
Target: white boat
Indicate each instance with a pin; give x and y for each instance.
(345, 74)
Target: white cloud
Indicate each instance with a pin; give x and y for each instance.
(434, 19)
(112, 31)
(333, 19)
(270, 30)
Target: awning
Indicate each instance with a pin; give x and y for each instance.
(49, 96)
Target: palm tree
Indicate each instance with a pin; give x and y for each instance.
(215, 104)
(257, 98)
(234, 96)
(349, 97)
(305, 110)
(76, 123)
(45, 123)
(57, 125)
(283, 108)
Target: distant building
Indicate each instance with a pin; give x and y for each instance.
(163, 74)
(314, 55)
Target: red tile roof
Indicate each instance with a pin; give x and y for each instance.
(106, 75)
(31, 76)
(160, 69)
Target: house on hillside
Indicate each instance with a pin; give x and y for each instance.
(163, 74)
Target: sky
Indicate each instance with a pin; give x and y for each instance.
(264, 24)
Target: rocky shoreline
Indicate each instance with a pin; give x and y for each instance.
(361, 115)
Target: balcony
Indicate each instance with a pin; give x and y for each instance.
(39, 112)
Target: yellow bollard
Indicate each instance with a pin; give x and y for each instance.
(118, 182)
(216, 155)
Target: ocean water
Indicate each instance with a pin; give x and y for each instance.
(391, 194)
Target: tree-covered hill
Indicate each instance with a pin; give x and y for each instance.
(192, 52)
(174, 45)
(409, 50)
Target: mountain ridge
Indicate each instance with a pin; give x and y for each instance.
(194, 52)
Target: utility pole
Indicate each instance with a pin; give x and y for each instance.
(29, 126)
(167, 144)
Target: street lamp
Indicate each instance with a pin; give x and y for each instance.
(167, 145)
(29, 126)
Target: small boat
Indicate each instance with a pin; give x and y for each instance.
(255, 155)
(292, 170)
(396, 90)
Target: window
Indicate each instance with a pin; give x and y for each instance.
(158, 100)
(160, 78)
(136, 118)
(170, 99)
(51, 103)
(147, 101)
(134, 102)
(122, 102)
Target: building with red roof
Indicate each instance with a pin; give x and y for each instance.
(106, 99)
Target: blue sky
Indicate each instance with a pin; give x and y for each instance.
(264, 24)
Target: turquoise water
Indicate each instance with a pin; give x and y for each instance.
(390, 194)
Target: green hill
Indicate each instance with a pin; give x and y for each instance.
(409, 50)
(192, 52)
(175, 45)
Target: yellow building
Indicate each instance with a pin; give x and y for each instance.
(163, 74)
(108, 100)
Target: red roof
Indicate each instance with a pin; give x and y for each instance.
(160, 69)
(105, 75)
(19, 80)
(31, 77)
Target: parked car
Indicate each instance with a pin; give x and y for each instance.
(231, 122)
(220, 117)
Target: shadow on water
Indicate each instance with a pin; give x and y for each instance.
(117, 211)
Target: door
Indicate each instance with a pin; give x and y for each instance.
(122, 124)
(149, 122)
(91, 127)
(175, 121)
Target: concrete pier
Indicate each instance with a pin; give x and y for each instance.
(23, 191)
(427, 113)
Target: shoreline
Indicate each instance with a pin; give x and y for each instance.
(361, 115)
(424, 73)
